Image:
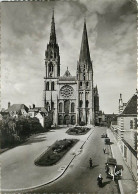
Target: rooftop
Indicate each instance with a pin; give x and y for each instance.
(131, 107)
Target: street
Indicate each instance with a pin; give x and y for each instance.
(79, 177)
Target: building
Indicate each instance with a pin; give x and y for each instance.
(125, 131)
(127, 118)
(70, 98)
(15, 110)
(39, 112)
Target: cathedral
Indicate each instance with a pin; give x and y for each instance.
(70, 99)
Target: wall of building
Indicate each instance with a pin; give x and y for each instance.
(130, 159)
(127, 121)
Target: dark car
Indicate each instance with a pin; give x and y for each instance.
(111, 161)
(112, 167)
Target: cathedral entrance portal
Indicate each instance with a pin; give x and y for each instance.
(66, 120)
(60, 120)
(73, 120)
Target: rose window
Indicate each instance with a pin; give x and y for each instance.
(66, 91)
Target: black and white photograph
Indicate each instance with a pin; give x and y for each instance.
(68, 111)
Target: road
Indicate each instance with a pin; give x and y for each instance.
(79, 178)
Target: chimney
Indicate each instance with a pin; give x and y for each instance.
(9, 104)
(33, 105)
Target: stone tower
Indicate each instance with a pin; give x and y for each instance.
(85, 82)
(52, 65)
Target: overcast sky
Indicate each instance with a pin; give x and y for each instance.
(111, 26)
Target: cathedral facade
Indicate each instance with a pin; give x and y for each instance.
(71, 99)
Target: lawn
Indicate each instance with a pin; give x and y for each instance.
(78, 130)
(55, 152)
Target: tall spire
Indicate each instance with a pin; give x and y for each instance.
(53, 31)
(84, 52)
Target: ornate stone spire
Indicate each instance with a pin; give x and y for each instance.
(67, 73)
(84, 52)
(53, 31)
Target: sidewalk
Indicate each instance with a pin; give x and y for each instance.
(127, 184)
(19, 162)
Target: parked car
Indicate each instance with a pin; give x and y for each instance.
(113, 169)
(104, 135)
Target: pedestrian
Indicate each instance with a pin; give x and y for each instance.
(104, 150)
(107, 168)
(90, 162)
(100, 179)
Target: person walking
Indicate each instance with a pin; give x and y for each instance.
(107, 168)
(90, 162)
(104, 150)
(100, 179)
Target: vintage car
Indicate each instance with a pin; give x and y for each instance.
(107, 141)
(113, 169)
(104, 135)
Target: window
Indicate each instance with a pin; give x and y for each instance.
(80, 84)
(84, 76)
(52, 105)
(47, 86)
(60, 106)
(52, 86)
(131, 124)
(87, 84)
(87, 103)
(50, 67)
(72, 107)
(48, 106)
(81, 102)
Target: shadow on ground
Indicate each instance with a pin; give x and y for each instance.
(94, 166)
(34, 140)
(105, 183)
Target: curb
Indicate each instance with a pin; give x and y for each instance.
(51, 181)
(119, 181)
(120, 187)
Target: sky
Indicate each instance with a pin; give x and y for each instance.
(25, 31)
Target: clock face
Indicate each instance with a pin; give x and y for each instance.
(66, 91)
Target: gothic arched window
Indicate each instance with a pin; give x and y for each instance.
(81, 102)
(47, 86)
(60, 107)
(52, 86)
(72, 107)
(50, 67)
(87, 84)
(48, 106)
(87, 103)
(52, 105)
(84, 76)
